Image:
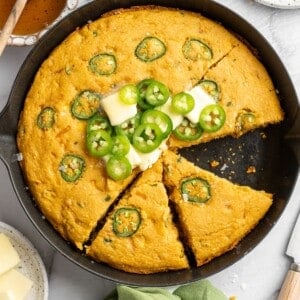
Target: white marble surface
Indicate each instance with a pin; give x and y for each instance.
(260, 273)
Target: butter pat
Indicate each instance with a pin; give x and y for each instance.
(202, 99)
(14, 285)
(167, 109)
(148, 159)
(9, 257)
(117, 111)
(133, 157)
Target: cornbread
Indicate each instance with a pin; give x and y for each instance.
(72, 208)
(72, 188)
(215, 226)
(247, 96)
(155, 247)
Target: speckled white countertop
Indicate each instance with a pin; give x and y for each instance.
(260, 273)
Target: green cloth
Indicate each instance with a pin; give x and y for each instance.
(123, 292)
(200, 290)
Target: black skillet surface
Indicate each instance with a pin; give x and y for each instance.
(265, 149)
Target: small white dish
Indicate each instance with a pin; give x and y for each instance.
(27, 40)
(31, 264)
(284, 4)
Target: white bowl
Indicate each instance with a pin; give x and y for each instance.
(30, 39)
(284, 4)
(31, 264)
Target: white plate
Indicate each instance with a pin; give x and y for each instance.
(31, 264)
(286, 4)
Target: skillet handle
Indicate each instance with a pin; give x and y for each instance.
(8, 129)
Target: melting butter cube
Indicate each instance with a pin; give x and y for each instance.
(202, 99)
(117, 111)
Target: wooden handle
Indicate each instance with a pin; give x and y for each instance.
(11, 23)
(290, 289)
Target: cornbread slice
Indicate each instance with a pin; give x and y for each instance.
(155, 246)
(73, 208)
(216, 226)
(247, 95)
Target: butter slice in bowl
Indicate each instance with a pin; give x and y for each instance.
(14, 285)
(9, 257)
(23, 272)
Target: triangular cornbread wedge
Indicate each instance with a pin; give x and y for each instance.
(73, 208)
(247, 95)
(217, 225)
(154, 246)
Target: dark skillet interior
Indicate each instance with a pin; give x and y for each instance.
(265, 149)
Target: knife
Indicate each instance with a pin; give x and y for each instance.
(290, 289)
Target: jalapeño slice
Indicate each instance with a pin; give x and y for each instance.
(126, 221)
(103, 64)
(46, 118)
(99, 142)
(157, 93)
(188, 131)
(142, 87)
(98, 121)
(147, 137)
(121, 145)
(211, 87)
(71, 167)
(150, 49)
(195, 190)
(129, 94)
(85, 105)
(244, 120)
(159, 118)
(118, 167)
(194, 49)
(182, 103)
(212, 118)
(128, 127)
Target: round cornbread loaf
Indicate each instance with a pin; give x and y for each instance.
(75, 208)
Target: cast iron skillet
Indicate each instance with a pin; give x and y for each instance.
(275, 163)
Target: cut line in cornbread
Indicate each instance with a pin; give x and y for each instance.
(155, 246)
